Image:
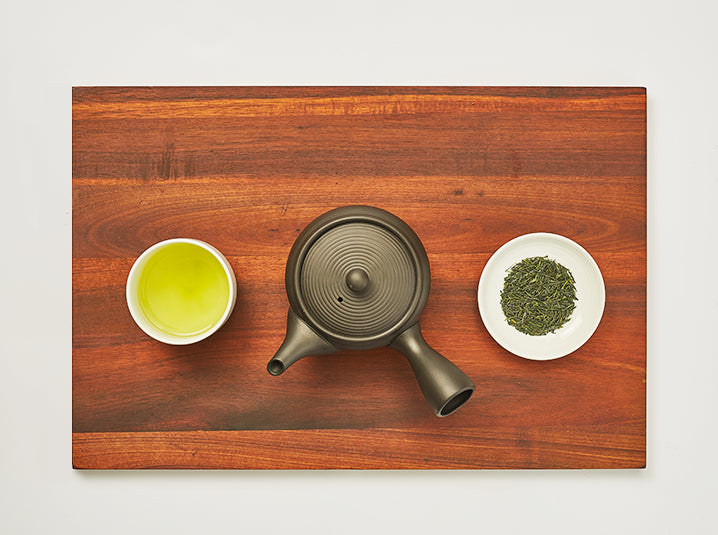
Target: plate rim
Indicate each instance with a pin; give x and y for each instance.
(512, 242)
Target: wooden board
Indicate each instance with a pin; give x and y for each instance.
(245, 169)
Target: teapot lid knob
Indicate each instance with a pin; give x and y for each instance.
(357, 280)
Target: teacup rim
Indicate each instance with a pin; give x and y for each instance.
(158, 334)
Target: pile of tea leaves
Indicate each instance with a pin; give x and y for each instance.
(539, 296)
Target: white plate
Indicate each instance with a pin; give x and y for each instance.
(590, 291)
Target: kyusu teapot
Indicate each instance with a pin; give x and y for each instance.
(358, 277)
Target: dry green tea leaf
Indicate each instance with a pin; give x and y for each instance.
(538, 296)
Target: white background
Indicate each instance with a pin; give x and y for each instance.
(47, 47)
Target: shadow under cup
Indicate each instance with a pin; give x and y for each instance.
(181, 291)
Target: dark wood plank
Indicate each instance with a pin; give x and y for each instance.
(531, 447)
(247, 168)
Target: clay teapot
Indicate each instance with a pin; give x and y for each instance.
(358, 277)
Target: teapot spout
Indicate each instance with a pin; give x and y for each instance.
(300, 341)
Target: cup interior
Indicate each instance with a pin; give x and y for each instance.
(180, 291)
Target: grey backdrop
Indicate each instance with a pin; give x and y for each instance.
(47, 47)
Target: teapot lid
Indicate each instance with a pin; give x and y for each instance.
(358, 275)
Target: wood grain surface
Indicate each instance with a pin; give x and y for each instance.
(246, 169)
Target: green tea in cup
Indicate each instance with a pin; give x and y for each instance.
(180, 291)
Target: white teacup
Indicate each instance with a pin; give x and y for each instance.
(180, 291)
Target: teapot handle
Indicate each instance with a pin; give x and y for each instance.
(444, 385)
